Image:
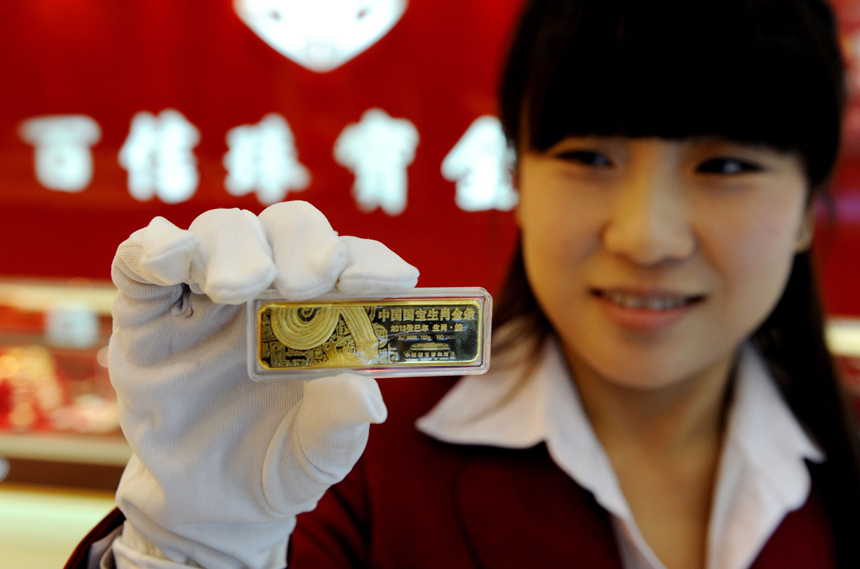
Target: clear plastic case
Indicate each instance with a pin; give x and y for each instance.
(424, 332)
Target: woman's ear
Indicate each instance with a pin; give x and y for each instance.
(807, 230)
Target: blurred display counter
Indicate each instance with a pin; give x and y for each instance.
(65, 448)
(843, 339)
(40, 528)
(58, 416)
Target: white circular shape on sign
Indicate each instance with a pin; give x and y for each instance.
(320, 35)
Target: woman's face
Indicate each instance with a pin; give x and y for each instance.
(655, 259)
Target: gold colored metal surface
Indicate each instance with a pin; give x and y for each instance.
(410, 332)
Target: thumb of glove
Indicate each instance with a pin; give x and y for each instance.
(320, 440)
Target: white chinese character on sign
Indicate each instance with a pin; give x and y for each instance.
(378, 150)
(159, 157)
(63, 159)
(320, 35)
(480, 163)
(262, 158)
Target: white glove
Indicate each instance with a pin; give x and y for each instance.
(222, 464)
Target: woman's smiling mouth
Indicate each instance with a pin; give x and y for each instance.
(645, 310)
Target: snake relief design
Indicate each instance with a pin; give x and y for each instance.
(345, 335)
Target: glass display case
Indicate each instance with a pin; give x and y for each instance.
(843, 339)
(58, 417)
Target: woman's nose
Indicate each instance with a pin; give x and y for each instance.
(649, 222)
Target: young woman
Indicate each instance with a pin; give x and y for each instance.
(661, 395)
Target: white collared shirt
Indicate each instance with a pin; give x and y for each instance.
(762, 475)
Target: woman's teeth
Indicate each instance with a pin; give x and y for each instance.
(647, 302)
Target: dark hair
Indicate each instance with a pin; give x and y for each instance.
(759, 71)
(765, 71)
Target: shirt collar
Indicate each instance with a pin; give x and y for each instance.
(764, 429)
(504, 409)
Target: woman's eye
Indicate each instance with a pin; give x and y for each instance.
(727, 166)
(584, 157)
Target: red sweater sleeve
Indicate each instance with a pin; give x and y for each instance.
(81, 555)
(335, 534)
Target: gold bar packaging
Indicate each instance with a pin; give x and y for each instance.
(424, 332)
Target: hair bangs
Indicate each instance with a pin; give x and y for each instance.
(759, 72)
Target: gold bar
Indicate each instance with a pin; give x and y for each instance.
(370, 334)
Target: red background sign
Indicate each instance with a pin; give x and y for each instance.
(436, 67)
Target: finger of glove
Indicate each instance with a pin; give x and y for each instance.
(340, 402)
(308, 254)
(159, 254)
(234, 261)
(374, 269)
(320, 440)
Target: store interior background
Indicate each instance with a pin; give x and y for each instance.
(381, 113)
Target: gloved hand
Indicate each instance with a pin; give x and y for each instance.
(222, 464)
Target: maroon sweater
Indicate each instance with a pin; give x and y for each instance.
(415, 502)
